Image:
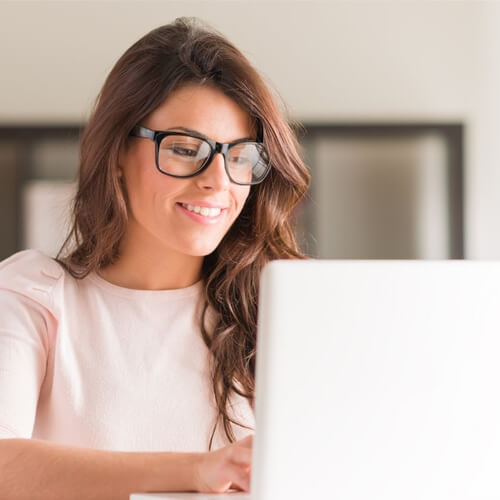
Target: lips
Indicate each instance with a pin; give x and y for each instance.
(201, 213)
(201, 210)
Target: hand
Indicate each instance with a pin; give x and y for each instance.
(220, 470)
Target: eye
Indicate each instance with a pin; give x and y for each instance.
(182, 148)
(243, 155)
(239, 160)
(181, 151)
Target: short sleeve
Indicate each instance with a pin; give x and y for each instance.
(27, 327)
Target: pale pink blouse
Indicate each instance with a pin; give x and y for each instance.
(88, 363)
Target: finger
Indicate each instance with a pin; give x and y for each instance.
(246, 442)
(240, 478)
(241, 456)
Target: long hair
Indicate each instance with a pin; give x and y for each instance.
(187, 52)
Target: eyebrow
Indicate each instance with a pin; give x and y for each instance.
(195, 132)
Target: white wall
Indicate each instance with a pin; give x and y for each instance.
(331, 61)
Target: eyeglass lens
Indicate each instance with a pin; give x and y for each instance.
(184, 155)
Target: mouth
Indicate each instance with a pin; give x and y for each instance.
(202, 215)
(203, 211)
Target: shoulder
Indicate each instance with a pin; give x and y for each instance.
(29, 265)
(30, 273)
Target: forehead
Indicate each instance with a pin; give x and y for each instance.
(206, 110)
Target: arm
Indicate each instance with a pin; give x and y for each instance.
(37, 470)
(33, 469)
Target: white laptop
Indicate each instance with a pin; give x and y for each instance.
(376, 380)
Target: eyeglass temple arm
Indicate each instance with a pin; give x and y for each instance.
(139, 131)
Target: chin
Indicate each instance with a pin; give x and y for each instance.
(200, 246)
(202, 250)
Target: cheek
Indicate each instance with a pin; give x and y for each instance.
(241, 197)
(138, 178)
(138, 188)
(149, 191)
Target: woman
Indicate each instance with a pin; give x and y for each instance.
(128, 363)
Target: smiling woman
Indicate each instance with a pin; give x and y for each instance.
(184, 218)
(133, 353)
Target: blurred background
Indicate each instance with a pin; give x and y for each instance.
(399, 104)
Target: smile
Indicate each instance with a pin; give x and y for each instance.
(203, 211)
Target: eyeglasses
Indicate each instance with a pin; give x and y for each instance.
(185, 155)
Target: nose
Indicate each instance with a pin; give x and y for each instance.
(214, 177)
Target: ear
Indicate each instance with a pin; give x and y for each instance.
(122, 159)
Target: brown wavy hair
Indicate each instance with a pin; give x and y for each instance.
(185, 52)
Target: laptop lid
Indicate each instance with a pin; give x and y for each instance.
(379, 380)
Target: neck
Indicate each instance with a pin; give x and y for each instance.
(147, 265)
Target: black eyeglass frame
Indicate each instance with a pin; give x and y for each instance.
(215, 147)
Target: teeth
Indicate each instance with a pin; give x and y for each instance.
(205, 211)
